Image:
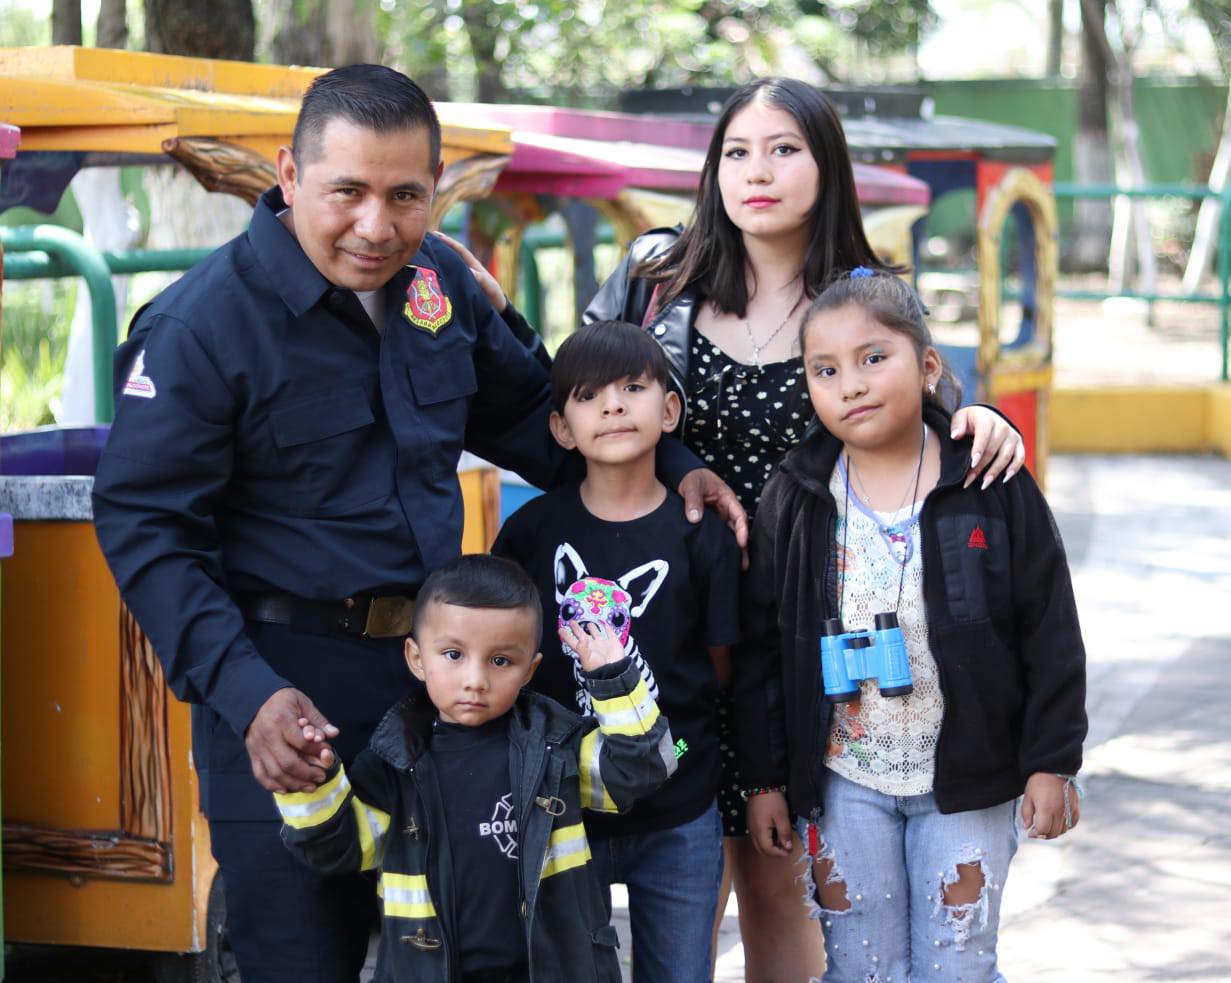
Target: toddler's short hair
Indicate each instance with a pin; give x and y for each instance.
(480, 580)
(603, 352)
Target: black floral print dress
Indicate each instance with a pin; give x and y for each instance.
(741, 420)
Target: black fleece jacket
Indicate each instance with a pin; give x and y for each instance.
(1002, 626)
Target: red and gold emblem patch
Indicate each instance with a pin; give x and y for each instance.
(427, 307)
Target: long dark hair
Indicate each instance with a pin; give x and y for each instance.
(709, 255)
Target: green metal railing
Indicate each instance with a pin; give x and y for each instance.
(1222, 263)
(39, 251)
(49, 251)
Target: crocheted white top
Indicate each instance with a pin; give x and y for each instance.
(886, 743)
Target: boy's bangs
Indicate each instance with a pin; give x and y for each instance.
(619, 363)
(605, 352)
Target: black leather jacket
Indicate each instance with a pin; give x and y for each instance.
(624, 298)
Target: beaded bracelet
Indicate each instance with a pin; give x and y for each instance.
(748, 793)
(1070, 782)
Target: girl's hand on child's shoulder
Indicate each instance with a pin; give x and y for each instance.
(595, 644)
(997, 449)
(1050, 807)
(769, 824)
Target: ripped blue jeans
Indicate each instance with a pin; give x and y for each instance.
(892, 858)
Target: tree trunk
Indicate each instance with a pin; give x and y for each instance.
(1092, 146)
(296, 32)
(1055, 36)
(107, 224)
(201, 28)
(66, 22)
(112, 24)
(483, 39)
(1130, 232)
(1205, 237)
(350, 32)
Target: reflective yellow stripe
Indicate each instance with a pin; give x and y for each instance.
(302, 810)
(634, 714)
(593, 791)
(566, 849)
(372, 825)
(406, 896)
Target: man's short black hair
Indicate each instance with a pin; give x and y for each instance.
(480, 580)
(602, 352)
(371, 96)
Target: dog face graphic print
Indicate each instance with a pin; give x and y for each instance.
(614, 603)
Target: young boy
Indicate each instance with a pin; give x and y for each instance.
(468, 798)
(617, 550)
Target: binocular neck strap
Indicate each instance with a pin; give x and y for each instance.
(846, 524)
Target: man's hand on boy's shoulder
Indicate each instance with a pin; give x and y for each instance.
(701, 488)
(595, 644)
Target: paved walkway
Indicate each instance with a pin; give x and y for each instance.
(1142, 890)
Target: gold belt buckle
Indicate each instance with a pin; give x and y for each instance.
(389, 617)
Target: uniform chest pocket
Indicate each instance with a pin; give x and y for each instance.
(450, 376)
(442, 386)
(328, 461)
(321, 418)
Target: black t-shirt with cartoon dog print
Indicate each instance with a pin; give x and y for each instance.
(674, 588)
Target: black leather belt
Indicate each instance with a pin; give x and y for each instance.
(519, 974)
(367, 615)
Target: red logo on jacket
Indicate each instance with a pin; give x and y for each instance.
(977, 540)
(427, 306)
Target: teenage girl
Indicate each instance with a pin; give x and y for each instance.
(905, 802)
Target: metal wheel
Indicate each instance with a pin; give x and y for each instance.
(216, 962)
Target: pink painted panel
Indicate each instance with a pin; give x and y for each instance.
(596, 154)
(10, 137)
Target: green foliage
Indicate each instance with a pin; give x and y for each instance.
(23, 23)
(885, 26)
(36, 317)
(1217, 17)
(66, 214)
(582, 52)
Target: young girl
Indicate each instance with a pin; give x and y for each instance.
(905, 802)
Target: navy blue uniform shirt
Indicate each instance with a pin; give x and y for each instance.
(267, 437)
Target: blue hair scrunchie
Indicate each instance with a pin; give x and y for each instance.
(859, 272)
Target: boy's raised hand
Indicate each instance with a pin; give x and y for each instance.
(769, 824)
(1043, 806)
(324, 756)
(595, 644)
(283, 760)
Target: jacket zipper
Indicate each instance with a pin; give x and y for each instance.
(444, 912)
(521, 867)
(940, 669)
(819, 740)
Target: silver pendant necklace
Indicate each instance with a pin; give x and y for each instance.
(897, 532)
(752, 341)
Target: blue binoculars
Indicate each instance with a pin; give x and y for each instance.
(847, 657)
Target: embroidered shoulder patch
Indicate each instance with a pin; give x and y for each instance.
(139, 384)
(427, 306)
